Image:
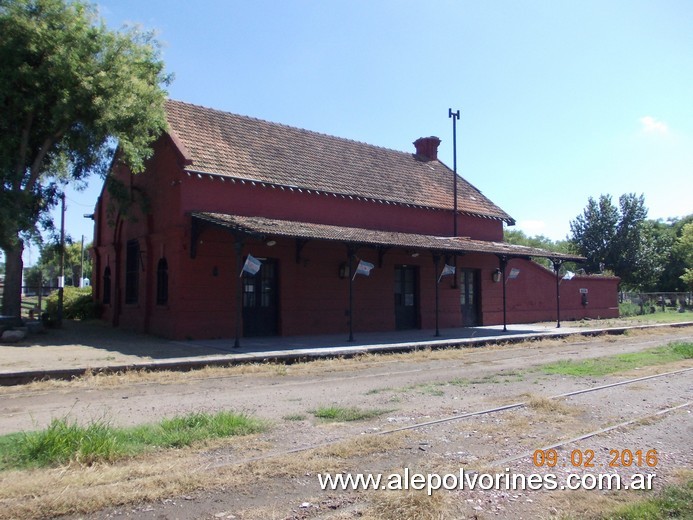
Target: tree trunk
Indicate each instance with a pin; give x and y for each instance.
(12, 295)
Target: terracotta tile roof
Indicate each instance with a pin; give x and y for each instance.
(266, 227)
(242, 147)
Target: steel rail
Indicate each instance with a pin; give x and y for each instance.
(591, 434)
(525, 403)
(453, 418)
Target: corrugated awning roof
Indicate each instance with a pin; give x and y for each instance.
(267, 227)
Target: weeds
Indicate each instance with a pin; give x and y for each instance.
(410, 505)
(342, 414)
(294, 417)
(609, 365)
(59, 443)
(64, 441)
(672, 502)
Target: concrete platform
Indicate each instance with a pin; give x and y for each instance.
(79, 347)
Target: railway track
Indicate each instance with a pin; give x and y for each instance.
(489, 411)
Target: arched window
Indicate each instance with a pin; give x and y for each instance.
(107, 286)
(162, 282)
(132, 271)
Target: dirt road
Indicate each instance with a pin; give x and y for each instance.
(410, 389)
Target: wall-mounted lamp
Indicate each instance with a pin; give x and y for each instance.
(497, 275)
(271, 243)
(414, 255)
(343, 270)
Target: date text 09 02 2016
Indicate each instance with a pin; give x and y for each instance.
(586, 459)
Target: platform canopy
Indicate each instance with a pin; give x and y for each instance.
(267, 228)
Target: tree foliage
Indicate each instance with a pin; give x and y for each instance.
(518, 237)
(47, 269)
(684, 250)
(594, 231)
(621, 239)
(71, 90)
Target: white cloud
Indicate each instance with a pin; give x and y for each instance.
(651, 126)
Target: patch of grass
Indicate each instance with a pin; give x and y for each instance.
(375, 391)
(489, 379)
(682, 349)
(428, 389)
(669, 316)
(294, 417)
(543, 404)
(188, 429)
(672, 502)
(619, 363)
(65, 441)
(410, 505)
(59, 443)
(346, 414)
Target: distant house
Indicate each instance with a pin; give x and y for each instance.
(310, 207)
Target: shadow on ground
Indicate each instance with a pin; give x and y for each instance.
(101, 335)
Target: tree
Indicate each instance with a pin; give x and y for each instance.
(594, 231)
(518, 237)
(621, 239)
(47, 269)
(684, 247)
(70, 90)
(671, 278)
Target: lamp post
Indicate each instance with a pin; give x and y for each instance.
(556, 267)
(455, 116)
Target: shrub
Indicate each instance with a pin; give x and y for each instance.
(626, 309)
(77, 304)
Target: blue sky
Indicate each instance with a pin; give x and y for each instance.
(559, 100)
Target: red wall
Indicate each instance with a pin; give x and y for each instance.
(531, 297)
(314, 300)
(207, 193)
(312, 297)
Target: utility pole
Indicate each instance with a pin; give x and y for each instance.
(61, 278)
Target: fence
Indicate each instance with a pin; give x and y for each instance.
(656, 301)
(34, 300)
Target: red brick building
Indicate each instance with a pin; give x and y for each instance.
(310, 207)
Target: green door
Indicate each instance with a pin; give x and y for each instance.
(406, 297)
(469, 297)
(260, 312)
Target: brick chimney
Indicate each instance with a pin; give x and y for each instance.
(427, 148)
